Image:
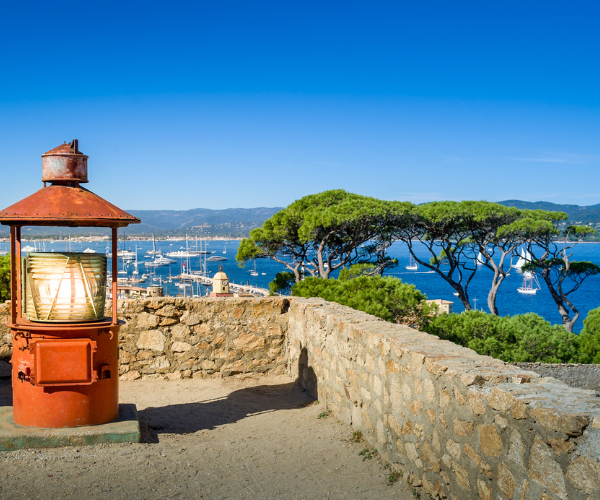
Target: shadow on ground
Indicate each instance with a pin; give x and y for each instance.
(5, 391)
(206, 415)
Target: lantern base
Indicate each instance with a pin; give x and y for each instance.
(65, 375)
(125, 429)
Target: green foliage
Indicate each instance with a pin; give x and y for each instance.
(4, 278)
(368, 453)
(357, 437)
(324, 232)
(357, 270)
(394, 476)
(282, 283)
(246, 251)
(590, 336)
(521, 338)
(388, 298)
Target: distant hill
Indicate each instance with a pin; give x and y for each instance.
(201, 221)
(237, 222)
(230, 222)
(576, 213)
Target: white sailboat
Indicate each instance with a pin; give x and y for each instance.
(480, 259)
(530, 284)
(135, 271)
(183, 254)
(521, 261)
(413, 266)
(253, 272)
(154, 251)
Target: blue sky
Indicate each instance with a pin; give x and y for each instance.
(183, 105)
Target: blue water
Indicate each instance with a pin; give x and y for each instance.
(509, 301)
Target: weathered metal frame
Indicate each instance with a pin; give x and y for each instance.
(16, 316)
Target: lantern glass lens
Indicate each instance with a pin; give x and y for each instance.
(65, 286)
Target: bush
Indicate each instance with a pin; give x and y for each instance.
(387, 298)
(4, 278)
(282, 283)
(590, 336)
(517, 339)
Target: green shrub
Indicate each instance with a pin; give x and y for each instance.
(4, 278)
(590, 336)
(522, 338)
(387, 298)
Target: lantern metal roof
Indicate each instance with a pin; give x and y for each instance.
(64, 202)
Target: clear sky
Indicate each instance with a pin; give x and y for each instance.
(223, 104)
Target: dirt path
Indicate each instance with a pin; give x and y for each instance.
(209, 439)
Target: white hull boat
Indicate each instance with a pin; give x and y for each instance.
(530, 284)
(413, 266)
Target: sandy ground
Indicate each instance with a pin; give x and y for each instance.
(208, 439)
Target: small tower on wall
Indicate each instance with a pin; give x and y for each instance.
(220, 284)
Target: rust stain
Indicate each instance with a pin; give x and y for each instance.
(65, 163)
(60, 205)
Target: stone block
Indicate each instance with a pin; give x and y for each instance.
(462, 428)
(584, 474)
(490, 441)
(151, 339)
(544, 469)
(180, 347)
(571, 424)
(462, 476)
(146, 321)
(190, 318)
(453, 448)
(506, 481)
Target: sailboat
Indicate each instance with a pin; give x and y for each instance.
(225, 249)
(413, 266)
(480, 259)
(154, 251)
(183, 254)
(135, 265)
(530, 284)
(135, 279)
(253, 272)
(521, 261)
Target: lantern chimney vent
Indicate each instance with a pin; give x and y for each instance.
(65, 164)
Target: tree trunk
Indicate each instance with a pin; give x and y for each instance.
(491, 299)
(558, 300)
(462, 297)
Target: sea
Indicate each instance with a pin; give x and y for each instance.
(509, 301)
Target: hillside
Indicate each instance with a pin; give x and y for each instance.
(230, 222)
(201, 221)
(237, 222)
(577, 214)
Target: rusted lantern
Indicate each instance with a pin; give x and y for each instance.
(65, 351)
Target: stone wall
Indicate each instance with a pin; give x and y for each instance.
(462, 426)
(180, 338)
(575, 375)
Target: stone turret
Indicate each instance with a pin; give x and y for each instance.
(220, 284)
